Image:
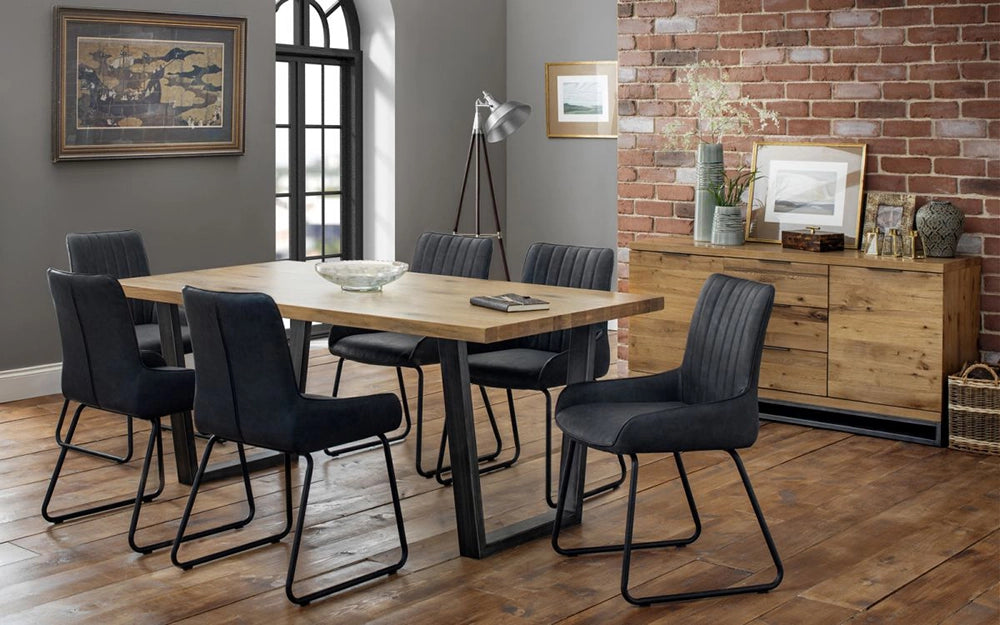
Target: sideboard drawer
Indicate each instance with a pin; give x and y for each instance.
(797, 327)
(795, 370)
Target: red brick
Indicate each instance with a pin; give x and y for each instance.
(987, 342)
(718, 23)
(786, 73)
(654, 208)
(959, 90)
(935, 147)
(981, 109)
(635, 92)
(906, 17)
(655, 74)
(636, 191)
(808, 128)
(856, 91)
(834, 109)
(697, 7)
(625, 141)
(993, 13)
(627, 174)
(675, 58)
(654, 9)
(739, 6)
(884, 145)
(856, 128)
(931, 184)
(991, 284)
(960, 128)
(932, 34)
(986, 70)
(635, 157)
(898, 165)
(764, 90)
(991, 247)
(626, 207)
(853, 19)
(624, 10)
(634, 224)
(674, 192)
(983, 186)
(785, 38)
(634, 26)
(880, 4)
(978, 148)
(762, 22)
(635, 58)
(857, 55)
(906, 54)
(993, 89)
(654, 42)
(993, 171)
(790, 108)
(820, 5)
(901, 128)
(695, 42)
(741, 41)
(934, 110)
(763, 56)
(726, 58)
(831, 38)
(674, 226)
(960, 166)
(906, 91)
(812, 19)
(780, 6)
(885, 182)
(960, 52)
(959, 15)
(656, 108)
(626, 42)
(808, 91)
(649, 141)
(880, 73)
(657, 174)
(981, 33)
(885, 110)
(833, 73)
(746, 74)
(934, 71)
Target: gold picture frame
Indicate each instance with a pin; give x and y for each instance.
(581, 99)
(806, 184)
(889, 210)
(136, 84)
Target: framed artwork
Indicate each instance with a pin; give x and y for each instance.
(134, 84)
(888, 211)
(581, 99)
(806, 184)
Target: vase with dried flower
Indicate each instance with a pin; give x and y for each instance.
(719, 111)
(727, 196)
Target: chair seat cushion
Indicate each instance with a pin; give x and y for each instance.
(388, 349)
(148, 336)
(658, 427)
(320, 422)
(521, 368)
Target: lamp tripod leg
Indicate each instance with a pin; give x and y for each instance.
(496, 212)
(465, 182)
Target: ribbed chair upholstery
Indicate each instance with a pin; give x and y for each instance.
(435, 253)
(119, 254)
(103, 368)
(247, 394)
(540, 362)
(708, 403)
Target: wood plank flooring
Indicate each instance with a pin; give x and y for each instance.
(870, 530)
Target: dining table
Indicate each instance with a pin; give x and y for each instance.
(420, 304)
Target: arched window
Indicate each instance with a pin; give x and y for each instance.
(317, 129)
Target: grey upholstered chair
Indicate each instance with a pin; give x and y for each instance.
(247, 394)
(119, 254)
(540, 362)
(435, 253)
(103, 368)
(708, 403)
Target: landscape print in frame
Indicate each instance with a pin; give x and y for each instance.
(581, 99)
(134, 84)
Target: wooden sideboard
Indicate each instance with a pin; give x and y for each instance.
(856, 343)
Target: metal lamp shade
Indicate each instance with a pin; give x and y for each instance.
(505, 120)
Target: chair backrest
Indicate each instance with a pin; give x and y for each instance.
(726, 338)
(245, 386)
(575, 266)
(98, 341)
(119, 254)
(452, 255)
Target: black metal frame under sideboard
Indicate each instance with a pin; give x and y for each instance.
(869, 424)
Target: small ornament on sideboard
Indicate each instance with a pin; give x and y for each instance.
(812, 240)
(940, 226)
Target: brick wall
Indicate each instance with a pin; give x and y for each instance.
(918, 81)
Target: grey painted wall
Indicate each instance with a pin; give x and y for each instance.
(193, 212)
(558, 190)
(447, 52)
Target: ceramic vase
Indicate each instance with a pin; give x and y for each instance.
(940, 226)
(709, 167)
(727, 226)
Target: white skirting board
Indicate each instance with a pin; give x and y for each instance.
(29, 382)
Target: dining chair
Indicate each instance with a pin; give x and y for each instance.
(540, 362)
(708, 403)
(247, 394)
(119, 254)
(435, 253)
(103, 368)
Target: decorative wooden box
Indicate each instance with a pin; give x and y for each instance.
(812, 240)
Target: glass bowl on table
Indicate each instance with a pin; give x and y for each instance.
(361, 275)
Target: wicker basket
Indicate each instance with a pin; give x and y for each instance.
(974, 411)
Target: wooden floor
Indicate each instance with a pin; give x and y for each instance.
(870, 530)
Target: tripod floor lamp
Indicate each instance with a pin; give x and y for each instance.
(501, 122)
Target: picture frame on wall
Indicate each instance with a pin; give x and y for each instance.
(581, 99)
(806, 184)
(131, 84)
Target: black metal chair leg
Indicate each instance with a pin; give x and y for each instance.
(493, 467)
(297, 540)
(155, 439)
(57, 470)
(186, 517)
(633, 486)
(701, 594)
(337, 451)
(86, 450)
